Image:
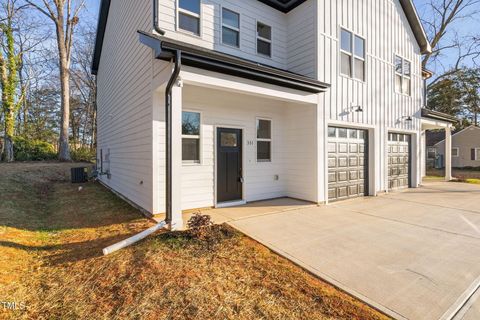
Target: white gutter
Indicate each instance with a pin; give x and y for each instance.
(134, 239)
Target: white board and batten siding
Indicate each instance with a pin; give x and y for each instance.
(384, 26)
(125, 102)
(297, 28)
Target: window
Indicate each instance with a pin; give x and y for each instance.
(455, 152)
(264, 39)
(431, 153)
(352, 55)
(191, 137)
(189, 16)
(230, 28)
(403, 76)
(476, 154)
(264, 140)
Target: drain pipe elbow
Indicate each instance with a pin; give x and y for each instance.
(156, 19)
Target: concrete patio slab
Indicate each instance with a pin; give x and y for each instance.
(251, 209)
(413, 260)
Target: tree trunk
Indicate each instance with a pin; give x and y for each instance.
(8, 155)
(64, 148)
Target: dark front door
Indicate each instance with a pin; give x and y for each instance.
(229, 164)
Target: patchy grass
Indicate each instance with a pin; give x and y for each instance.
(471, 175)
(52, 233)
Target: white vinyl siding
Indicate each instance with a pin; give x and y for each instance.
(124, 102)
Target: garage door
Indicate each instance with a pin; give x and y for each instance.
(347, 163)
(399, 160)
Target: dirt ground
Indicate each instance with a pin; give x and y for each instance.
(51, 266)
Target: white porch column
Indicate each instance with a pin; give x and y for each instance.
(177, 220)
(448, 153)
(423, 155)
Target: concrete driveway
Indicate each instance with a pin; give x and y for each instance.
(413, 254)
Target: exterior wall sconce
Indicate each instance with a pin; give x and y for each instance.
(407, 118)
(356, 109)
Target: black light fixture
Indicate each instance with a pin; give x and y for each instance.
(356, 109)
(407, 118)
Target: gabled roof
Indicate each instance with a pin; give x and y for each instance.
(282, 5)
(465, 130)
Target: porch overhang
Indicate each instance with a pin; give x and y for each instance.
(432, 120)
(202, 58)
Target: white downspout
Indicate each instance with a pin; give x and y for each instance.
(135, 238)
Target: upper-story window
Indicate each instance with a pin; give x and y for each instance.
(189, 15)
(352, 52)
(264, 39)
(403, 76)
(230, 28)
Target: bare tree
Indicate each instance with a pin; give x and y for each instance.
(65, 16)
(441, 21)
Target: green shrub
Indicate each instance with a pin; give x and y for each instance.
(33, 150)
(83, 154)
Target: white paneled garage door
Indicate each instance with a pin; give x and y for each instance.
(399, 160)
(347, 163)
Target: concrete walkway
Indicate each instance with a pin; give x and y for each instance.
(413, 254)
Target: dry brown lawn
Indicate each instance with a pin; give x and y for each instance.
(52, 233)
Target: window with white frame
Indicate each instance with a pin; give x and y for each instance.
(264, 39)
(264, 140)
(352, 55)
(191, 137)
(230, 28)
(403, 75)
(455, 152)
(189, 15)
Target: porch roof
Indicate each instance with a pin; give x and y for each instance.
(435, 115)
(202, 58)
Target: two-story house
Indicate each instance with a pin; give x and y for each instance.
(211, 103)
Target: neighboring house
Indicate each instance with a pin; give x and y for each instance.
(210, 103)
(465, 148)
(432, 138)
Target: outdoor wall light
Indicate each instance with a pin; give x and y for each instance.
(357, 109)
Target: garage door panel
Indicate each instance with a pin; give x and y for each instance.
(348, 169)
(399, 160)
